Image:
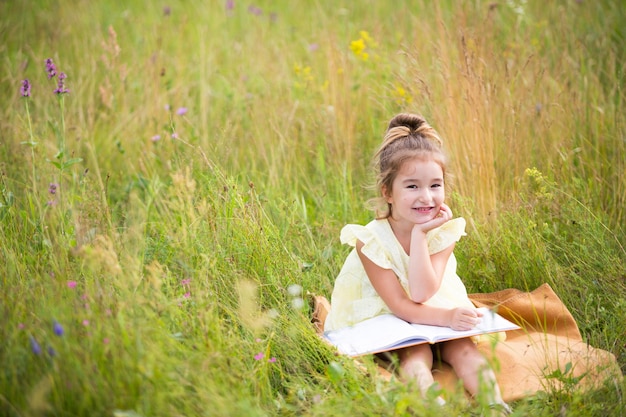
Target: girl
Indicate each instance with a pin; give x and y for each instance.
(403, 261)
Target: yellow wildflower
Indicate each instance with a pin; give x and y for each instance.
(361, 46)
(401, 95)
(357, 47)
(365, 36)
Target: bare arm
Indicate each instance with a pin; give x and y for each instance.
(426, 271)
(395, 297)
(390, 290)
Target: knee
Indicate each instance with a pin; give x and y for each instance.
(417, 357)
(416, 369)
(463, 354)
(420, 352)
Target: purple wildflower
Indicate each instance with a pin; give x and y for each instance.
(313, 47)
(155, 138)
(58, 329)
(25, 88)
(50, 68)
(71, 284)
(272, 360)
(167, 10)
(34, 345)
(230, 4)
(259, 356)
(51, 351)
(52, 188)
(255, 10)
(181, 111)
(61, 85)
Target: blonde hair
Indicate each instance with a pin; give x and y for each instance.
(408, 137)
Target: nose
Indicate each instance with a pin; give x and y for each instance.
(424, 195)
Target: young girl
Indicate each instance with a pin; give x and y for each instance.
(403, 261)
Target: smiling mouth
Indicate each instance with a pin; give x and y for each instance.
(423, 209)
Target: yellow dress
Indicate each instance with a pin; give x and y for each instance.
(354, 299)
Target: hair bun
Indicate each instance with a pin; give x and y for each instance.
(411, 121)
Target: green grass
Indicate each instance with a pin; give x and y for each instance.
(182, 249)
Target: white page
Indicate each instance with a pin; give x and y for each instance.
(369, 335)
(386, 331)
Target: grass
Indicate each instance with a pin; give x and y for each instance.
(170, 243)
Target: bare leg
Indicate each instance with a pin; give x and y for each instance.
(472, 368)
(416, 363)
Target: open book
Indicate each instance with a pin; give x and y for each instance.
(388, 332)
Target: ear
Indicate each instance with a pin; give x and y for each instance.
(386, 194)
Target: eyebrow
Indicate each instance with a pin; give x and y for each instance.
(416, 180)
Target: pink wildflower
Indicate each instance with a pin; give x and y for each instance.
(50, 68)
(25, 89)
(71, 284)
(259, 356)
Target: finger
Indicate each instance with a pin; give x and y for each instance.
(468, 326)
(476, 313)
(447, 209)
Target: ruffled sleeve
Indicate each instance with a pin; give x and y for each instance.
(446, 235)
(376, 250)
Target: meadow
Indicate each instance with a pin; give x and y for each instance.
(168, 208)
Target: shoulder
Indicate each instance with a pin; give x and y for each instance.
(455, 226)
(375, 241)
(445, 235)
(374, 230)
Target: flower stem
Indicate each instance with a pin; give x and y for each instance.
(61, 105)
(32, 145)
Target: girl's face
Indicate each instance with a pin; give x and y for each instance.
(417, 192)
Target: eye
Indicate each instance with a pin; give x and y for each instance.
(412, 186)
(436, 185)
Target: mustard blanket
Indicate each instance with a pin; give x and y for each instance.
(545, 353)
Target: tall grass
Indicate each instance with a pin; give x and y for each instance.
(206, 158)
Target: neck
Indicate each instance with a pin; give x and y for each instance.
(402, 232)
